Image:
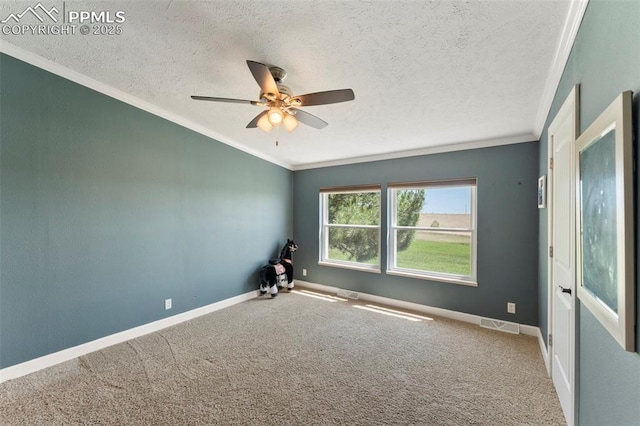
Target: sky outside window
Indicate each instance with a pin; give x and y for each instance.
(452, 200)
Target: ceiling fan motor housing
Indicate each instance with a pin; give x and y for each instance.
(278, 74)
(284, 90)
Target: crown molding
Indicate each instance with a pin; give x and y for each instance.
(463, 146)
(81, 79)
(572, 23)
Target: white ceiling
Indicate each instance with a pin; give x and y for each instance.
(427, 75)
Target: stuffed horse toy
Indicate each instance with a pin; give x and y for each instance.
(279, 272)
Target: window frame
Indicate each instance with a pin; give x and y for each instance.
(323, 240)
(392, 227)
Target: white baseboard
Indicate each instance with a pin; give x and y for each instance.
(545, 352)
(50, 360)
(529, 330)
(68, 354)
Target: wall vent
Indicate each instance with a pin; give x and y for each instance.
(348, 294)
(507, 327)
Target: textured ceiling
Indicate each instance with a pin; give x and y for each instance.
(425, 73)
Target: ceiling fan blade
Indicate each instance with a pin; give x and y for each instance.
(309, 119)
(235, 101)
(254, 123)
(328, 97)
(263, 76)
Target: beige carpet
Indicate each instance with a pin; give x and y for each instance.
(296, 360)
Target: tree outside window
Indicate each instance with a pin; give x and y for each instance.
(438, 240)
(350, 232)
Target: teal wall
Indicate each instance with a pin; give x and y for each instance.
(605, 61)
(107, 210)
(507, 229)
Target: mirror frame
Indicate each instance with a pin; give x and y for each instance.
(619, 321)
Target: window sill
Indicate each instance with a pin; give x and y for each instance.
(374, 269)
(450, 280)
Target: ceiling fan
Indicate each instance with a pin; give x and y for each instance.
(282, 106)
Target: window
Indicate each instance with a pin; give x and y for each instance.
(432, 230)
(350, 227)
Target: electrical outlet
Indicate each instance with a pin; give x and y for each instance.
(304, 272)
(167, 304)
(511, 307)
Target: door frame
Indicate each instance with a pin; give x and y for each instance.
(569, 109)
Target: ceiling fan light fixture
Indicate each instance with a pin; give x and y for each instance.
(264, 123)
(289, 122)
(275, 116)
(281, 106)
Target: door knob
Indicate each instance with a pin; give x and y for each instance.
(565, 290)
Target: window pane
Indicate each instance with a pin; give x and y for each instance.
(354, 245)
(448, 207)
(445, 220)
(441, 252)
(409, 205)
(362, 208)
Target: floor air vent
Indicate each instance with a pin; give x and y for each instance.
(348, 294)
(507, 327)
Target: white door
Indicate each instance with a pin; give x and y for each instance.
(562, 136)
